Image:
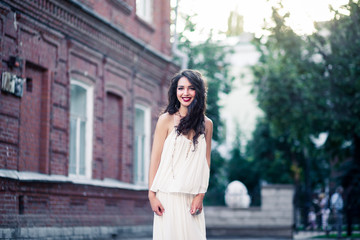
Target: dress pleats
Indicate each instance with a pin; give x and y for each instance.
(177, 223)
(183, 172)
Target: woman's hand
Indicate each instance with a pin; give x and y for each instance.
(156, 205)
(197, 204)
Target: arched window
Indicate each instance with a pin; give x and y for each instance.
(81, 128)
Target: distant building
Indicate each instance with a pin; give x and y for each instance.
(239, 108)
(75, 136)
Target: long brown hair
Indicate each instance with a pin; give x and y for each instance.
(195, 118)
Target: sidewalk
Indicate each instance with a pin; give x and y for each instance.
(301, 235)
(225, 238)
(308, 234)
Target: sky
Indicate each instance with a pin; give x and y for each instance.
(213, 14)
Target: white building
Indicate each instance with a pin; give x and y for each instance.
(239, 108)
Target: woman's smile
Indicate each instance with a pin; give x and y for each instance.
(185, 92)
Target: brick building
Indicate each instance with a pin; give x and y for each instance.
(83, 82)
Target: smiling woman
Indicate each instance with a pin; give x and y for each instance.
(180, 160)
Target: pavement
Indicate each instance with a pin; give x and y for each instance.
(302, 235)
(216, 239)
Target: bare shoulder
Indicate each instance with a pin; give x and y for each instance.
(208, 124)
(165, 118)
(165, 121)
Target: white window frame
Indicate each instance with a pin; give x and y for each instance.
(146, 148)
(88, 132)
(144, 9)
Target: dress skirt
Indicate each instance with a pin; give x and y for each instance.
(177, 223)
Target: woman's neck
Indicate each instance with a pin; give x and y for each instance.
(182, 112)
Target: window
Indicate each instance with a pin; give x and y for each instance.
(144, 10)
(141, 144)
(81, 126)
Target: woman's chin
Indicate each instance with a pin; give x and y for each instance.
(186, 104)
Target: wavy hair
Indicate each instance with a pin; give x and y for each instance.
(195, 118)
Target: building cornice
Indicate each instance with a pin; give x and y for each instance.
(122, 5)
(78, 21)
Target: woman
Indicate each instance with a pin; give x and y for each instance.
(180, 160)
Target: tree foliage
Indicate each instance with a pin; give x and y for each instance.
(270, 155)
(340, 53)
(306, 85)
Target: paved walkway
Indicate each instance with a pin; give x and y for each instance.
(311, 234)
(307, 235)
(214, 239)
(302, 235)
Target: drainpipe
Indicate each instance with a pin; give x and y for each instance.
(184, 58)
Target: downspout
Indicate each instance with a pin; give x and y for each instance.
(184, 58)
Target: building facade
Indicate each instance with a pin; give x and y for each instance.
(83, 82)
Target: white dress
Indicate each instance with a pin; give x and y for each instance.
(183, 172)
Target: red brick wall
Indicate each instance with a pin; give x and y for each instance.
(29, 204)
(34, 128)
(157, 33)
(59, 41)
(113, 136)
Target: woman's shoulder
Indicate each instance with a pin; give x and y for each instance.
(166, 120)
(165, 117)
(208, 124)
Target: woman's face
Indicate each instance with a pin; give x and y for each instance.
(185, 92)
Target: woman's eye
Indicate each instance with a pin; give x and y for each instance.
(180, 88)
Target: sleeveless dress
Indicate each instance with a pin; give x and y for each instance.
(183, 172)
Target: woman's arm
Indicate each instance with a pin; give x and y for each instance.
(197, 202)
(208, 137)
(160, 135)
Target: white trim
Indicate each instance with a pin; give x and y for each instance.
(89, 129)
(144, 9)
(147, 129)
(39, 177)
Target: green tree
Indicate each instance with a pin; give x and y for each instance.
(339, 49)
(284, 88)
(283, 81)
(311, 84)
(270, 155)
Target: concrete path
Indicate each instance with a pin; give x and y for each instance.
(303, 235)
